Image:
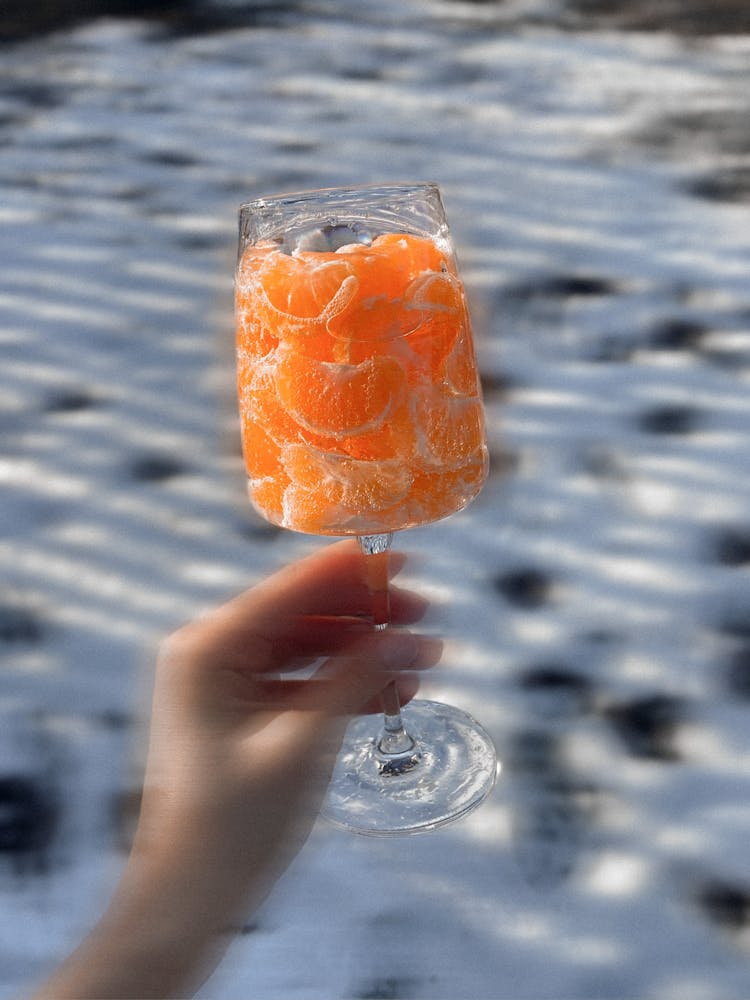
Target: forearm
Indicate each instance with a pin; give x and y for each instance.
(171, 918)
(154, 940)
(119, 959)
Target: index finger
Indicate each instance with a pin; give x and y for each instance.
(329, 583)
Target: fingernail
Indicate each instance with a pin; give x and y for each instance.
(397, 649)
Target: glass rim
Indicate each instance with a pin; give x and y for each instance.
(386, 188)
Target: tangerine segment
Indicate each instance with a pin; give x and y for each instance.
(267, 496)
(368, 487)
(281, 297)
(252, 260)
(438, 494)
(309, 285)
(439, 302)
(340, 481)
(396, 438)
(336, 400)
(461, 372)
(371, 325)
(260, 403)
(254, 339)
(385, 271)
(306, 468)
(420, 328)
(451, 428)
(391, 262)
(262, 454)
(303, 511)
(412, 254)
(259, 399)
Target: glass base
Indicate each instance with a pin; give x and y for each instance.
(450, 771)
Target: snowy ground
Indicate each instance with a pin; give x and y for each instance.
(595, 597)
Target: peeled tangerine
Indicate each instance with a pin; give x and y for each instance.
(360, 406)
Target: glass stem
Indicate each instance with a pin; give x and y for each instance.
(396, 748)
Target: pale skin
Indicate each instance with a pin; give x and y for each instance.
(238, 761)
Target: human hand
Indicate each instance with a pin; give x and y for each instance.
(236, 741)
(240, 752)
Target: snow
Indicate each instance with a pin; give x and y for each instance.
(611, 860)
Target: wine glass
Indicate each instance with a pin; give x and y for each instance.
(361, 414)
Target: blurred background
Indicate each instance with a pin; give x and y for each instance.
(595, 163)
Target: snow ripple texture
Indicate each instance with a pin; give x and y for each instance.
(595, 164)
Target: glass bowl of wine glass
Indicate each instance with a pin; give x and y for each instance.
(361, 414)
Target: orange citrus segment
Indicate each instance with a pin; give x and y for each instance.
(262, 454)
(360, 486)
(437, 301)
(267, 496)
(437, 494)
(279, 296)
(396, 438)
(338, 400)
(309, 288)
(452, 428)
(254, 340)
(370, 326)
(359, 395)
(461, 375)
(306, 468)
(412, 254)
(369, 487)
(384, 274)
(304, 511)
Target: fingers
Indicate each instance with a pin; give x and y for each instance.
(367, 660)
(350, 683)
(332, 581)
(408, 681)
(407, 607)
(312, 636)
(292, 614)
